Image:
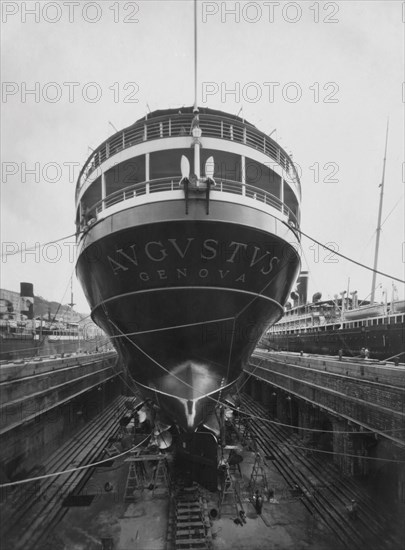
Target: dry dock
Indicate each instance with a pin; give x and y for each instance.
(307, 460)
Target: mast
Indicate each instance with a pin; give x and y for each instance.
(71, 299)
(378, 232)
(195, 57)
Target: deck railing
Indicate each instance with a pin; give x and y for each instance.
(172, 184)
(180, 125)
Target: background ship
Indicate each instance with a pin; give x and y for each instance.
(343, 325)
(184, 271)
(32, 327)
(330, 326)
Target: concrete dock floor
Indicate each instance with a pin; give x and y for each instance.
(109, 523)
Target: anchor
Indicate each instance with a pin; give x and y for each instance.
(195, 182)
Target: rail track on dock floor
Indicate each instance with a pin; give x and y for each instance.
(31, 511)
(189, 524)
(323, 490)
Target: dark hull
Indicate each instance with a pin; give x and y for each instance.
(186, 303)
(18, 347)
(383, 342)
(27, 348)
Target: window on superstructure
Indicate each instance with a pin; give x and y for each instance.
(227, 166)
(166, 163)
(90, 198)
(125, 174)
(291, 200)
(263, 177)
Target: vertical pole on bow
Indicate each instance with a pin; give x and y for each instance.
(195, 108)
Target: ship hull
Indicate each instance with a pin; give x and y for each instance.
(383, 342)
(185, 303)
(28, 348)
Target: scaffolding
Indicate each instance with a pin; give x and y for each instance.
(138, 478)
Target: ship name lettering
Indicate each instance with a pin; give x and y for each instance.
(116, 266)
(209, 248)
(255, 261)
(237, 247)
(157, 252)
(182, 253)
(163, 253)
(270, 268)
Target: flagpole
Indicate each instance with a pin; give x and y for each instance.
(195, 56)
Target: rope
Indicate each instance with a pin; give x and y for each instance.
(346, 257)
(92, 465)
(37, 247)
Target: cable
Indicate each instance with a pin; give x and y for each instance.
(176, 327)
(233, 408)
(37, 246)
(93, 465)
(346, 257)
(392, 210)
(217, 400)
(277, 423)
(338, 454)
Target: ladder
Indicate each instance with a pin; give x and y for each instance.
(136, 480)
(258, 475)
(248, 439)
(160, 475)
(138, 475)
(228, 496)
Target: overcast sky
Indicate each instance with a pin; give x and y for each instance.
(325, 75)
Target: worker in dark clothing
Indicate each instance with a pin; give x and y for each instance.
(258, 502)
(353, 509)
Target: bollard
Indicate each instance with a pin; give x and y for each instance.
(340, 354)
